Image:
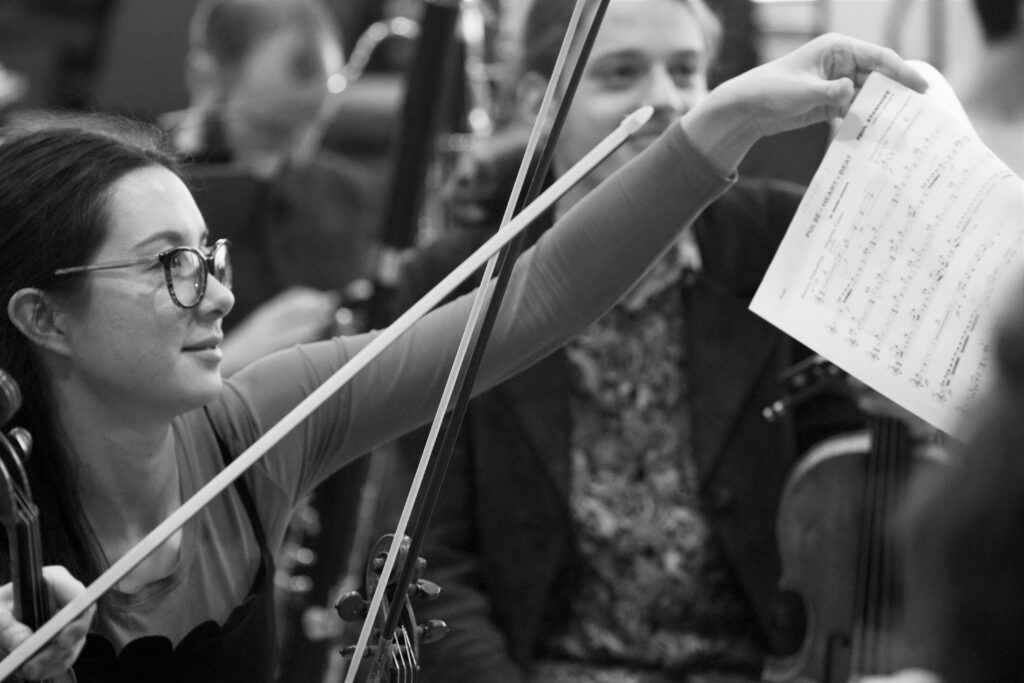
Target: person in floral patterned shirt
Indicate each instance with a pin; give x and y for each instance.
(609, 515)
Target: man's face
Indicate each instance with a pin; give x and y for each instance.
(647, 52)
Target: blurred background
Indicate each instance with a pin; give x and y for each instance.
(126, 56)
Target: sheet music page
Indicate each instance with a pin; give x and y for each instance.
(897, 255)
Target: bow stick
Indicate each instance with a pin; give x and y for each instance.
(163, 531)
(473, 343)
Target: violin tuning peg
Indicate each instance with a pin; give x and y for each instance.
(22, 440)
(351, 606)
(432, 630)
(349, 650)
(426, 589)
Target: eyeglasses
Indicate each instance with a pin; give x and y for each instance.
(185, 269)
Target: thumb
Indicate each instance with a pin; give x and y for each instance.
(839, 93)
(63, 586)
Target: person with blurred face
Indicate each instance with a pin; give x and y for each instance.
(609, 514)
(265, 77)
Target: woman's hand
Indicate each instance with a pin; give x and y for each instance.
(816, 82)
(61, 652)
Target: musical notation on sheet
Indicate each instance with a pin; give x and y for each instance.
(899, 251)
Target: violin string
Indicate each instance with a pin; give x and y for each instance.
(35, 560)
(13, 472)
(398, 657)
(410, 654)
(409, 649)
(875, 649)
(876, 472)
(888, 596)
(862, 586)
(898, 459)
(395, 663)
(27, 526)
(879, 475)
(902, 458)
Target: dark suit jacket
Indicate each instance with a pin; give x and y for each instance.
(501, 544)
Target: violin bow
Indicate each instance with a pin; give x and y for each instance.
(201, 498)
(457, 392)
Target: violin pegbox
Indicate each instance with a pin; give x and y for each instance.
(394, 656)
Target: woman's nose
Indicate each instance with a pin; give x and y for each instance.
(218, 299)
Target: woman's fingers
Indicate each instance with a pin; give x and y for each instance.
(61, 652)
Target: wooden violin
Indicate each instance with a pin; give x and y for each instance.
(20, 518)
(837, 550)
(395, 657)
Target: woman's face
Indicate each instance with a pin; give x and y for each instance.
(129, 343)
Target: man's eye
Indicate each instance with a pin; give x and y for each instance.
(683, 73)
(621, 74)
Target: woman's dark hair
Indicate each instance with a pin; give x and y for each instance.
(56, 173)
(546, 21)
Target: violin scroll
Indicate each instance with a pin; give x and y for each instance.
(800, 382)
(396, 656)
(10, 397)
(20, 518)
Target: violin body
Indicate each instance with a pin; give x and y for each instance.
(20, 517)
(838, 555)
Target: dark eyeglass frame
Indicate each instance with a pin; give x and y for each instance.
(219, 249)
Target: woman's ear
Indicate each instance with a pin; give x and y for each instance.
(35, 314)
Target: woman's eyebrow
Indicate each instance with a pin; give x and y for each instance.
(171, 237)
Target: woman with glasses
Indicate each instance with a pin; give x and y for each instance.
(114, 305)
